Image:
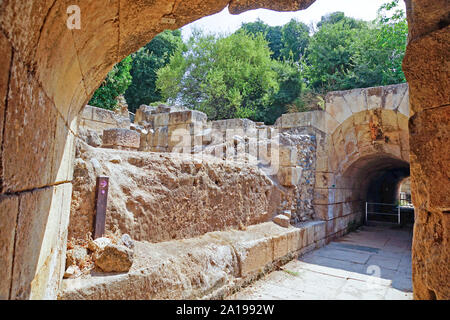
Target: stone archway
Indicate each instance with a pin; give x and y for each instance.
(49, 72)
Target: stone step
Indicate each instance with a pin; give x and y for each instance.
(211, 266)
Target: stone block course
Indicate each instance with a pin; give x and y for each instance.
(121, 139)
(288, 156)
(21, 138)
(289, 176)
(187, 117)
(9, 207)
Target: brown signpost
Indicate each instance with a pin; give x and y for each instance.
(100, 206)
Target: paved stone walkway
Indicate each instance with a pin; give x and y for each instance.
(371, 263)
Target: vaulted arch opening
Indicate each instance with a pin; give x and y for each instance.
(49, 72)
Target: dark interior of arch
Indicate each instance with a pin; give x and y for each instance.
(377, 179)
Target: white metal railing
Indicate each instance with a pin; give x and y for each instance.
(398, 208)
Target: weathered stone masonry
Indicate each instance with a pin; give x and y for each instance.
(49, 72)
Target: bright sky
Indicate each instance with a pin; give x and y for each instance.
(224, 22)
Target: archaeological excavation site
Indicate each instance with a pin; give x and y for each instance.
(163, 201)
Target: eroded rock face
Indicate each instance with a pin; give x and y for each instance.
(159, 197)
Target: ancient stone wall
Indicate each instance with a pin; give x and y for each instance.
(426, 68)
(49, 72)
(159, 197)
(99, 119)
(323, 160)
(360, 132)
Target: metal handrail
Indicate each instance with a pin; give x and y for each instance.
(383, 213)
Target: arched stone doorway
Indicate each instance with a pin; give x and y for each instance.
(49, 72)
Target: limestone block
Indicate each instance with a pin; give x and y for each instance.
(9, 207)
(337, 106)
(392, 149)
(57, 60)
(97, 55)
(219, 125)
(5, 62)
(281, 245)
(144, 114)
(159, 149)
(328, 211)
(405, 155)
(362, 118)
(104, 116)
(322, 164)
(323, 121)
(161, 120)
(325, 180)
(243, 124)
(374, 98)
(87, 112)
(41, 242)
(187, 117)
(282, 220)
(63, 153)
(363, 135)
(207, 135)
(99, 127)
(394, 138)
(330, 227)
(182, 135)
(324, 196)
(403, 108)
(32, 15)
(254, 255)
(163, 109)
(29, 133)
(347, 208)
(133, 26)
(319, 231)
(389, 119)
(430, 161)
(146, 140)
(289, 176)
(299, 119)
(309, 234)
(426, 68)
(288, 156)
(356, 100)
(121, 138)
(393, 95)
(160, 137)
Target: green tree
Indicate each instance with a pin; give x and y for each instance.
(379, 51)
(225, 77)
(115, 84)
(273, 35)
(295, 40)
(291, 86)
(146, 62)
(330, 53)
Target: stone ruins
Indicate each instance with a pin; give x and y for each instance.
(176, 175)
(266, 193)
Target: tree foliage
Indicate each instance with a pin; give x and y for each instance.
(346, 53)
(262, 71)
(146, 62)
(115, 84)
(225, 77)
